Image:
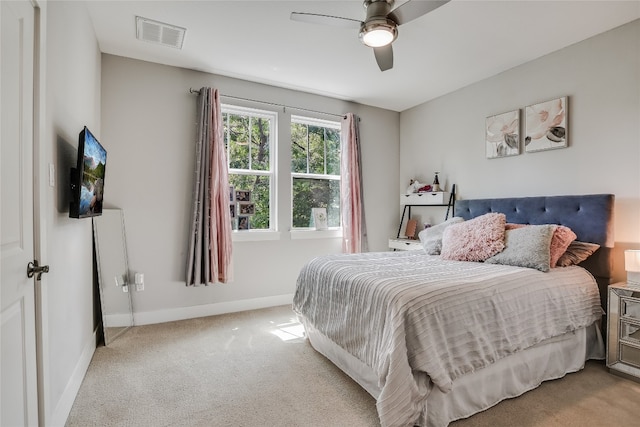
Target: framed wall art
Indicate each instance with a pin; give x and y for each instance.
(546, 125)
(502, 135)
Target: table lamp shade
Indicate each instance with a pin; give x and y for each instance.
(632, 265)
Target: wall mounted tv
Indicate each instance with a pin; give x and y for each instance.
(87, 178)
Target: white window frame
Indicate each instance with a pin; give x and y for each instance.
(301, 232)
(270, 233)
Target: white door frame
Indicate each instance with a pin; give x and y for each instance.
(41, 205)
(20, 309)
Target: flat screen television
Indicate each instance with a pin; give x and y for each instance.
(87, 178)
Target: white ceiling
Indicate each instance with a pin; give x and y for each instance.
(460, 43)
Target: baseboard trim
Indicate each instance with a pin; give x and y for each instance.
(118, 320)
(182, 313)
(63, 408)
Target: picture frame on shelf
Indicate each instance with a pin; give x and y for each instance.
(243, 195)
(410, 230)
(246, 208)
(243, 222)
(319, 216)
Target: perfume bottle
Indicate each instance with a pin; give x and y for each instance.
(436, 183)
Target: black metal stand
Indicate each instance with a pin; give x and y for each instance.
(451, 206)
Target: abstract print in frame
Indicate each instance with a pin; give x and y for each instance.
(502, 134)
(546, 126)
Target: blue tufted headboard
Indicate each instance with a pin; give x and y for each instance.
(589, 216)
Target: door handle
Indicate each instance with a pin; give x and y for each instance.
(34, 269)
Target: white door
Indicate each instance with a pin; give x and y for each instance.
(18, 398)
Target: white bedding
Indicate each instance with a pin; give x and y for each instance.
(416, 320)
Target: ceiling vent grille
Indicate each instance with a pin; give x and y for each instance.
(160, 33)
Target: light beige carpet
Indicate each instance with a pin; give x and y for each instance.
(253, 369)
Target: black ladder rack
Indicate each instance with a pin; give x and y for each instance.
(450, 208)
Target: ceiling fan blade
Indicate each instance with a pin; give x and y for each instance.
(334, 21)
(414, 9)
(384, 57)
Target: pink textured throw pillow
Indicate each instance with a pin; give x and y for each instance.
(474, 240)
(562, 238)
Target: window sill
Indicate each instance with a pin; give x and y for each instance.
(255, 235)
(300, 234)
(316, 234)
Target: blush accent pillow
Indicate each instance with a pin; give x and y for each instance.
(526, 247)
(512, 226)
(431, 237)
(562, 237)
(576, 253)
(474, 240)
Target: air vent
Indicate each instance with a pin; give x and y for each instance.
(159, 32)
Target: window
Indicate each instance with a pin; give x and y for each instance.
(249, 137)
(315, 170)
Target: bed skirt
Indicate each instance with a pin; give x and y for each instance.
(480, 390)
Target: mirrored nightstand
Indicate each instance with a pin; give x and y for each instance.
(623, 330)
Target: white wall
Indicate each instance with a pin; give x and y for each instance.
(601, 77)
(148, 129)
(71, 88)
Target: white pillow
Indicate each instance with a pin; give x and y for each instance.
(431, 238)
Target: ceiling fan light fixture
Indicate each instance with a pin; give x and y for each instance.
(378, 34)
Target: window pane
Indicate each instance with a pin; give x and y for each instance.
(298, 148)
(259, 188)
(316, 150)
(333, 151)
(260, 143)
(315, 193)
(238, 130)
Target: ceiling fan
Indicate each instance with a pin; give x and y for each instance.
(380, 27)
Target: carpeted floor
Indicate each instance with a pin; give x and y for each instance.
(254, 369)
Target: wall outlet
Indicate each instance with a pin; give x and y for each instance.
(139, 286)
(139, 282)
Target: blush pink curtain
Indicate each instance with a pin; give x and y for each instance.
(354, 234)
(210, 248)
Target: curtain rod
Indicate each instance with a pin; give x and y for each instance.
(197, 92)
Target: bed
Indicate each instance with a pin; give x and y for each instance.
(435, 340)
